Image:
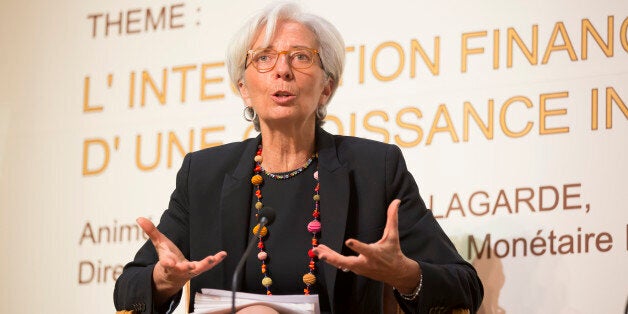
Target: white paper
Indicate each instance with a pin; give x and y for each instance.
(219, 301)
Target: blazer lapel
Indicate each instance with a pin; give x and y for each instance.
(334, 191)
(235, 207)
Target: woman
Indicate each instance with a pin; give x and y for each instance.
(333, 235)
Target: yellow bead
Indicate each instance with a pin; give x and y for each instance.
(262, 233)
(258, 205)
(257, 179)
(258, 158)
(309, 279)
(317, 197)
(266, 282)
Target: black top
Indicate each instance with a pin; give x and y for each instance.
(288, 240)
(358, 177)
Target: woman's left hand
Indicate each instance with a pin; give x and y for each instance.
(382, 260)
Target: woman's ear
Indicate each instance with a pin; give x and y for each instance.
(326, 93)
(243, 90)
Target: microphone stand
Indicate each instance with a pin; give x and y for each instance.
(234, 284)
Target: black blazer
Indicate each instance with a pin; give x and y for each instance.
(210, 207)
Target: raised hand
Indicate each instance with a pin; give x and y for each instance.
(382, 260)
(173, 270)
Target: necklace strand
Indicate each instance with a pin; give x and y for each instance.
(287, 175)
(313, 227)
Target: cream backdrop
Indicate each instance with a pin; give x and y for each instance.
(542, 189)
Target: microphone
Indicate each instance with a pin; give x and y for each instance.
(265, 217)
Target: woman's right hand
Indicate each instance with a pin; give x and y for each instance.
(173, 270)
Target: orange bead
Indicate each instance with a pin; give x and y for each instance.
(257, 179)
(262, 233)
(309, 279)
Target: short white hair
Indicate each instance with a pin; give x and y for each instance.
(331, 45)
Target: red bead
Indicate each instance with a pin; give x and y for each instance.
(311, 254)
(315, 214)
(258, 193)
(258, 168)
(260, 244)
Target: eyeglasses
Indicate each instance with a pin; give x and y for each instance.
(265, 59)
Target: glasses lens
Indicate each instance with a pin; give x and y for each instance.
(301, 58)
(264, 59)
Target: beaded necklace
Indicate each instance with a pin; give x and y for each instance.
(314, 227)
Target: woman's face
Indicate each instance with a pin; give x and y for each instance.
(285, 96)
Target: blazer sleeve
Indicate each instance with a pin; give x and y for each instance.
(449, 282)
(134, 287)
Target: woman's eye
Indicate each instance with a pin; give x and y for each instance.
(302, 57)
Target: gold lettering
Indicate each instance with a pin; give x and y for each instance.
(449, 126)
(594, 109)
(417, 113)
(160, 94)
(400, 66)
(105, 147)
(207, 130)
(496, 49)
(532, 55)
(184, 70)
(86, 106)
(375, 129)
(551, 45)
(502, 117)
(210, 80)
(433, 65)
(543, 113)
(487, 129)
(622, 34)
(612, 96)
(335, 120)
(467, 51)
(173, 140)
(138, 154)
(587, 28)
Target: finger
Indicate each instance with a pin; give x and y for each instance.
(209, 262)
(360, 247)
(150, 229)
(333, 258)
(392, 221)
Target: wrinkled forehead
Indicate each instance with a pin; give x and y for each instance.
(264, 37)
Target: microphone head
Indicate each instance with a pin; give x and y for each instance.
(267, 213)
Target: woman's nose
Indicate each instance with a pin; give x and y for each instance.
(283, 69)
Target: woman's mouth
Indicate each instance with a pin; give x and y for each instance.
(282, 97)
